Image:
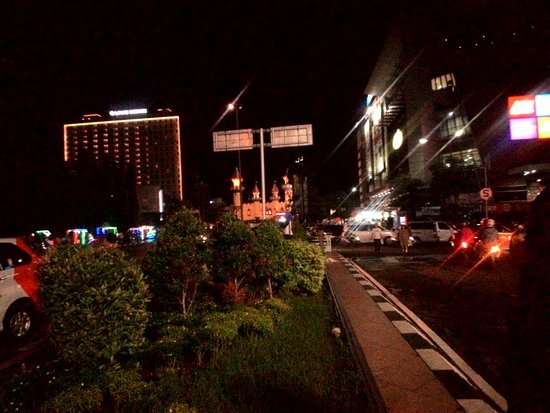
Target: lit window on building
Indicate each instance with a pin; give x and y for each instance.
(452, 124)
(444, 82)
(468, 157)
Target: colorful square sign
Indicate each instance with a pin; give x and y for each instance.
(521, 106)
(529, 117)
(542, 104)
(523, 128)
(543, 124)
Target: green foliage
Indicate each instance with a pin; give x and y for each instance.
(300, 367)
(269, 253)
(306, 270)
(126, 389)
(298, 231)
(218, 330)
(95, 301)
(255, 323)
(276, 307)
(232, 243)
(76, 399)
(178, 263)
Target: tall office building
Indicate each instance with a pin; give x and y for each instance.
(437, 99)
(149, 144)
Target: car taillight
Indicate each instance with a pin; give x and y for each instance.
(464, 244)
(495, 249)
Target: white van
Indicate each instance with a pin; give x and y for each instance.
(432, 231)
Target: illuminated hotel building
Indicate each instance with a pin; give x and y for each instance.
(150, 144)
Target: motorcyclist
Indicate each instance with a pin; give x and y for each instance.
(488, 237)
(489, 234)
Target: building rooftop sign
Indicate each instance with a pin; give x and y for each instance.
(529, 117)
(127, 112)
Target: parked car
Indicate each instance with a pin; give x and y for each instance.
(362, 233)
(432, 231)
(18, 288)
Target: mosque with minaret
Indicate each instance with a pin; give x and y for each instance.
(252, 211)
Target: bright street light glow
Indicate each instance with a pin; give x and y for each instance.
(450, 114)
(354, 189)
(459, 133)
(231, 106)
(422, 141)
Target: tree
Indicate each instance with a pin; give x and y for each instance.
(269, 253)
(95, 300)
(232, 244)
(178, 263)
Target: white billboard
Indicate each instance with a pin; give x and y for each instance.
(299, 135)
(233, 140)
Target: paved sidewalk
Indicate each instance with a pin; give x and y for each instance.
(402, 377)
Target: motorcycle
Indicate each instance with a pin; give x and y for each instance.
(476, 251)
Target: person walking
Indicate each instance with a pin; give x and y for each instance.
(404, 238)
(377, 238)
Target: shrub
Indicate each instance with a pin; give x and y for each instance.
(178, 263)
(95, 300)
(306, 270)
(276, 307)
(254, 322)
(299, 231)
(269, 254)
(232, 244)
(76, 399)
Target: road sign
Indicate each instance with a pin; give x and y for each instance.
(233, 140)
(486, 193)
(285, 136)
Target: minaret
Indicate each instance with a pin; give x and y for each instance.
(287, 188)
(236, 188)
(275, 193)
(256, 193)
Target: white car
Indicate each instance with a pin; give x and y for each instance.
(362, 233)
(18, 288)
(432, 231)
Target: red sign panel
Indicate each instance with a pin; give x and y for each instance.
(521, 106)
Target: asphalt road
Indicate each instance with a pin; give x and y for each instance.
(469, 310)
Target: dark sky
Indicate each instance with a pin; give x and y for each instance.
(306, 61)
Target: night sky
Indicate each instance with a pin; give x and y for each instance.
(305, 62)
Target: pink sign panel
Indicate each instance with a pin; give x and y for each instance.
(523, 128)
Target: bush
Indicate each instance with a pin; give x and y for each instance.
(178, 263)
(232, 244)
(276, 307)
(306, 270)
(269, 254)
(299, 231)
(95, 300)
(76, 399)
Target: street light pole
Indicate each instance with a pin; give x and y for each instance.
(235, 106)
(262, 161)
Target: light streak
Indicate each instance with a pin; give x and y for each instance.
(381, 97)
(227, 108)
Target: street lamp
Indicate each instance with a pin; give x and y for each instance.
(234, 106)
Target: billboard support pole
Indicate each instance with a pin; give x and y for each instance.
(262, 161)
